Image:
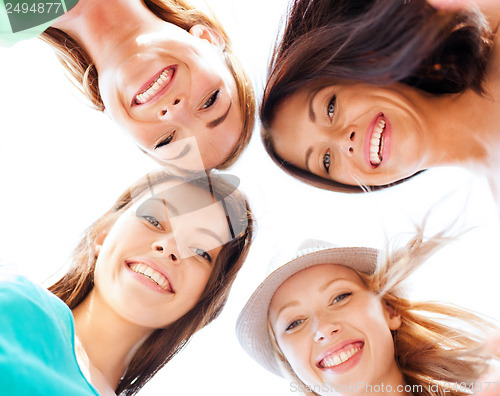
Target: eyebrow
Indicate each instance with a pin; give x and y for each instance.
(329, 283)
(170, 208)
(206, 231)
(287, 305)
(183, 153)
(220, 120)
(312, 114)
(308, 155)
(321, 289)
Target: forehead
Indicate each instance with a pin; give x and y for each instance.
(186, 207)
(185, 197)
(292, 126)
(312, 279)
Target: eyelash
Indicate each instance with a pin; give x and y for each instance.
(165, 141)
(336, 300)
(331, 108)
(327, 161)
(211, 101)
(203, 254)
(339, 299)
(153, 221)
(294, 324)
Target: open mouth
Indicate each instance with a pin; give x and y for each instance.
(377, 141)
(153, 87)
(152, 275)
(341, 356)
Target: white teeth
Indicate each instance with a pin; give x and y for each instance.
(335, 360)
(377, 143)
(155, 87)
(151, 274)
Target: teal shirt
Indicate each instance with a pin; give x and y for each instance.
(37, 342)
(25, 19)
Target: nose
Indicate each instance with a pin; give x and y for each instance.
(325, 329)
(347, 142)
(166, 247)
(173, 109)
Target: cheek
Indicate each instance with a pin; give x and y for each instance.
(197, 280)
(297, 351)
(380, 336)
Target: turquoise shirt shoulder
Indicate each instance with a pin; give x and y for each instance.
(37, 342)
(25, 19)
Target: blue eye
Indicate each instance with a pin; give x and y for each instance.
(211, 101)
(340, 297)
(294, 324)
(327, 160)
(330, 111)
(153, 221)
(165, 141)
(202, 253)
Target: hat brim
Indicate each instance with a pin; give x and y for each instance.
(251, 326)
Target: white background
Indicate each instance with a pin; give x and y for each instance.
(63, 164)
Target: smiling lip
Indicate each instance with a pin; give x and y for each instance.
(149, 273)
(341, 357)
(377, 141)
(155, 87)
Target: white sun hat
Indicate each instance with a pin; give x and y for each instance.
(251, 326)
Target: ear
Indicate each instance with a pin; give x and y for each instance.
(100, 240)
(206, 33)
(392, 317)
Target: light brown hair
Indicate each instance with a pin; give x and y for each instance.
(163, 344)
(83, 73)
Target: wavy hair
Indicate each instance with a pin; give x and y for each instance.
(439, 348)
(82, 72)
(325, 42)
(163, 344)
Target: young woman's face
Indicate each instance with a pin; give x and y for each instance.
(332, 329)
(351, 133)
(166, 85)
(156, 259)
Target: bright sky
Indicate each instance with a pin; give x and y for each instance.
(63, 164)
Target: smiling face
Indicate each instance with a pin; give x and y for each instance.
(352, 133)
(165, 85)
(332, 329)
(156, 259)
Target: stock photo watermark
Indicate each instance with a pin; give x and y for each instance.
(27, 14)
(356, 387)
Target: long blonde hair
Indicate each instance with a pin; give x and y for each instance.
(82, 72)
(439, 348)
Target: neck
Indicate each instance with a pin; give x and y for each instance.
(98, 328)
(458, 131)
(98, 26)
(393, 383)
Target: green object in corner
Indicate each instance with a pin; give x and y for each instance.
(24, 19)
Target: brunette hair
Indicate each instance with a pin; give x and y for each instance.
(325, 42)
(439, 348)
(162, 345)
(82, 72)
